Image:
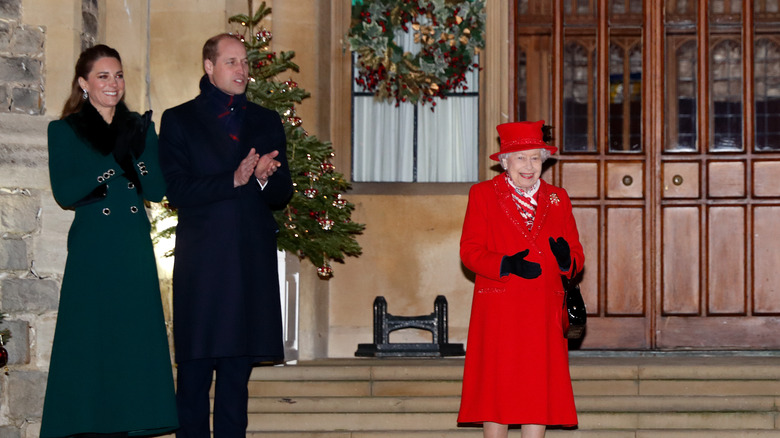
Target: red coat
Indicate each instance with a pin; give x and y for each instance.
(517, 362)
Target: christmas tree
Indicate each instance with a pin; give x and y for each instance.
(316, 224)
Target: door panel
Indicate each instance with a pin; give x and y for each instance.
(726, 179)
(581, 178)
(766, 181)
(625, 258)
(616, 333)
(766, 260)
(588, 227)
(681, 180)
(721, 333)
(625, 180)
(725, 261)
(681, 261)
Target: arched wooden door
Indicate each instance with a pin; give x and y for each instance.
(667, 116)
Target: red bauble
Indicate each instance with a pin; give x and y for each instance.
(325, 271)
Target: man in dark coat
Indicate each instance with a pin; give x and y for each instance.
(225, 164)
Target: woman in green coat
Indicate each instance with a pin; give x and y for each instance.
(110, 371)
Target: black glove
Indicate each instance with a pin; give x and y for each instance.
(131, 136)
(130, 144)
(562, 253)
(517, 265)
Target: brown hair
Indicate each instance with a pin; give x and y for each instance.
(210, 48)
(84, 66)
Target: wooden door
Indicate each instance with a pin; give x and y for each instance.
(667, 117)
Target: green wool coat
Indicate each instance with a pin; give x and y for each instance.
(110, 366)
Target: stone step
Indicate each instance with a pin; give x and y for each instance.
(622, 404)
(551, 433)
(432, 421)
(452, 388)
(582, 368)
(637, 397)
(590, 376)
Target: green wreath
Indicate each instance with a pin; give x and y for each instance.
(450, 34)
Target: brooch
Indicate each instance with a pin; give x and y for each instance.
(554, 199)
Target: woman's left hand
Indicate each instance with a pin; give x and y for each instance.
(562, 253)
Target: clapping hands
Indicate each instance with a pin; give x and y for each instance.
(262, 167)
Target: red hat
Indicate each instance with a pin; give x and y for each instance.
(521, 136)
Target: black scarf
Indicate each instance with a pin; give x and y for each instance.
(227, 109)
(120, 137)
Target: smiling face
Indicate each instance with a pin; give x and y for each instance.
(230, 71)
(524, 167)
(105, 85)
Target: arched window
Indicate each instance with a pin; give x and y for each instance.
(625, 95)
(767, 94)
(681, 95)
(579, 79)
(726, 86)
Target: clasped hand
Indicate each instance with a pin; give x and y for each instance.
(518, 265)
(262, 167)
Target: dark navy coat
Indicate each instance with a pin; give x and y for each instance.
(225, 279)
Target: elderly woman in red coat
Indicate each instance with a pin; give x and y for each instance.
(519, 237)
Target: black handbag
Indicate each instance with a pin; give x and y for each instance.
(574, 307)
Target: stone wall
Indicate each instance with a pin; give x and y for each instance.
(33, 229)
(21, 62)
(32, 233)
(29, 301)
